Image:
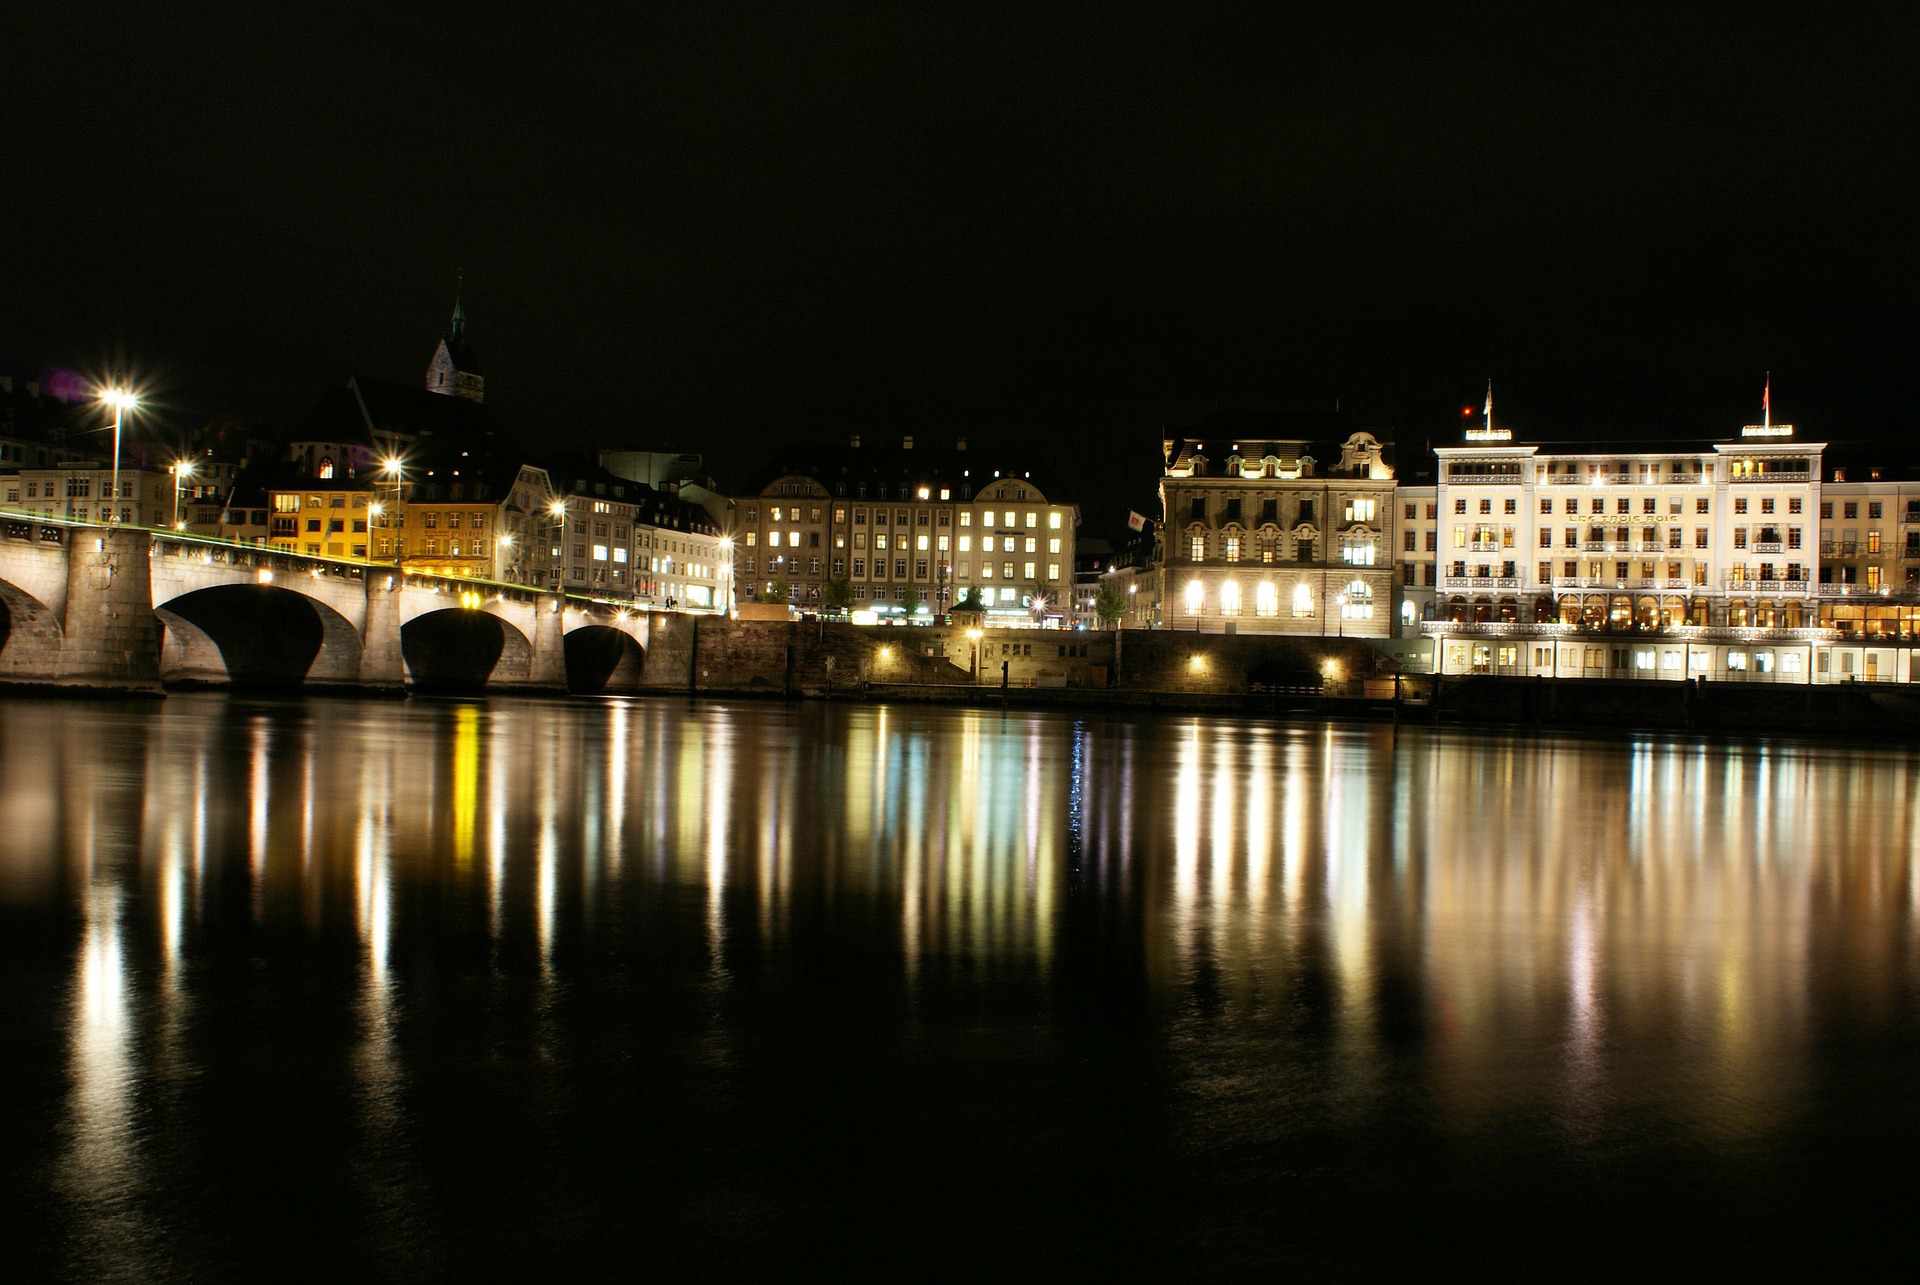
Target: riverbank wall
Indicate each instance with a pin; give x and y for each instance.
(814, 658)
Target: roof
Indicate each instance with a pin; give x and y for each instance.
(896, 472)
(363, 407)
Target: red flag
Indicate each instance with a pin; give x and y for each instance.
(1766, 401)
(1137, 522)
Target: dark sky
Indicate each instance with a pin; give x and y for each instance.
(689, 224)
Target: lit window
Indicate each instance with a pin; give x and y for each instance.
(599, 553)
(1230, 598)
(1302, 599)
(1053, 521)
(1266, 599)
(1196, 597)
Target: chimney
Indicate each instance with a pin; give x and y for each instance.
(906, 443)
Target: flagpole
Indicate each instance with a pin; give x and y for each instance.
(1766, 402)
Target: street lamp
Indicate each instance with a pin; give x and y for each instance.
(122, 400)
(557, 509)
(374, 511)
(181, 468)
(506, 547)
(1341, 598)
(973, 665)
(726, 553)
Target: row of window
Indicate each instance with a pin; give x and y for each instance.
(906, 517)
(1355, 600)
(1355, 551)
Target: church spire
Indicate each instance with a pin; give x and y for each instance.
(455, 369)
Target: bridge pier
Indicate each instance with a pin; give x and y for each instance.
(112, 637)
(549, 670)
(382, 665)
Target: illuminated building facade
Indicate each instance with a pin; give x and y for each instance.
(1279, 536)
(1746, 559)
(911, 533)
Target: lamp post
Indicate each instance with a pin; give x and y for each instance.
(506, 550)
(557, 509)
(121, 400)
(726, 555)
(181, 468)
(374, 511)
(1341, 599)
(394, 468)
(973, 665)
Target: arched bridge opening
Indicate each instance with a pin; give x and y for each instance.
(463, 650)
(30, 636)
(256, 636)
(603, 659)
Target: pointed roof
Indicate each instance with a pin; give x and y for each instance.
(465, 359)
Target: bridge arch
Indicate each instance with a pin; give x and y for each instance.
(30, 636)
(464, 649)
(256, 635)
(603, 658)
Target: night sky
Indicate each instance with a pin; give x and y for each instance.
(683, 224)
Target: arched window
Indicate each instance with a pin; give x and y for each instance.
(1230, 598)
(1266, 599)
(1196, 597)
(1302, 599)
(326, 466)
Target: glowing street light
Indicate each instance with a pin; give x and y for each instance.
(122, 400)
(181, 468)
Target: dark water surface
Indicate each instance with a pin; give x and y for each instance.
(325, 988)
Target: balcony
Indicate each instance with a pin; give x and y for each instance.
(1457, 477)
(1767, 546)
(1740, 634)
(1479, 582)
(1756, 585)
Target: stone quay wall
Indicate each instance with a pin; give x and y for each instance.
(802, 658)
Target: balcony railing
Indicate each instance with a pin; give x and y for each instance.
(1675, 633)
(1762, 585)
(1767, 546)
(1615, 479)
(1459, 476)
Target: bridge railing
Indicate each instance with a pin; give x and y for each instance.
(171, 542)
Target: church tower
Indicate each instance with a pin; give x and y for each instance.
(455, 368)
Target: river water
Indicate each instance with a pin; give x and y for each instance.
(407, 989)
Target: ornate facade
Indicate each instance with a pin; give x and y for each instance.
(1262, 537)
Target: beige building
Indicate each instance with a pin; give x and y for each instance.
(1278, 536)
(81, 492)
(911, 534)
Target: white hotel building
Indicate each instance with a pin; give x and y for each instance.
(1669, 560)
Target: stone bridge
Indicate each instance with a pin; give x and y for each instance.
(132, 609)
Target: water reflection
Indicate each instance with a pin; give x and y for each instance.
(1573, 932)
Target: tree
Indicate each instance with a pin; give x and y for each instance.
(970, 601)
(839, 595)
(1109, 604)
(779, 590)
